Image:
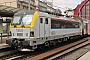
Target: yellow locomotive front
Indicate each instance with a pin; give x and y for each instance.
(21, 29)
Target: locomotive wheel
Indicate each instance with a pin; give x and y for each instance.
(47, 44)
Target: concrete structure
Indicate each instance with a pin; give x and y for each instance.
(34, 5)
(23, 4)
(83, 10)
(50, 4)
(42, 6)
(85, 57)
(47, 6)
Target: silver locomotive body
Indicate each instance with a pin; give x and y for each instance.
(30, 29)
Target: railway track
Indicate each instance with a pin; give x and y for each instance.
(46, 53)
(67, 52)
(6, 52)
(61, 52)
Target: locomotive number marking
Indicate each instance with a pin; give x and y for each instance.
(19, 30)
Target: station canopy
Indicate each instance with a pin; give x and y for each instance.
(7, 11)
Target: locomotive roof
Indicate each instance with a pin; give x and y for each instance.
(64, 18)
(24, 12)
(30, 12)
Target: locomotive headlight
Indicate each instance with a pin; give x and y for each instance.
(32, 34)
(9, 38)
(27, 39)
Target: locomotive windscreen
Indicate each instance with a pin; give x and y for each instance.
(22, 20)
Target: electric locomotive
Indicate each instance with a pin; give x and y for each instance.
(31, 29)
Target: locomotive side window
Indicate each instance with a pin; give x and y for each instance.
(60, 24)
(46, 21)
(41, 20)
(55, 24)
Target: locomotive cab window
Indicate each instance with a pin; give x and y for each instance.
(22, 20)
(46, 21)
(41, 20)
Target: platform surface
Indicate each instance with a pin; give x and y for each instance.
(85, 57)
(3, 42)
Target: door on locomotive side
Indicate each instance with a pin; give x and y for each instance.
(44, 27)
(41, 27)
(47, 27)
